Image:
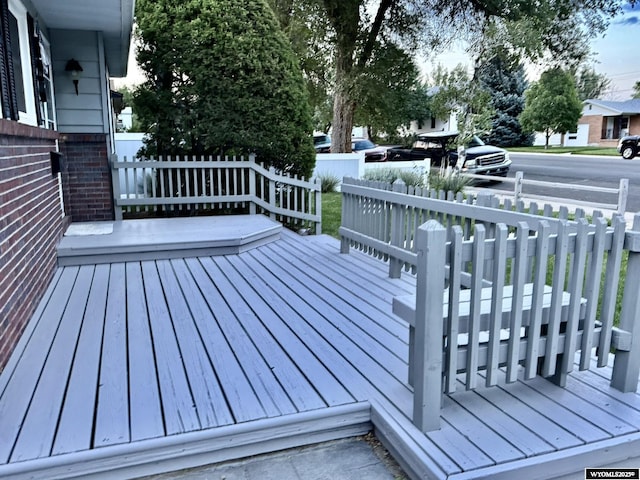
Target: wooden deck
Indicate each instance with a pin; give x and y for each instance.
(138, 367)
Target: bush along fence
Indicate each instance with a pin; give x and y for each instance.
(181, 186)
(500, 294)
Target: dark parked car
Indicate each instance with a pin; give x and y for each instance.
(441, 149)
(629, 146)
(322, 142)
(372, 152)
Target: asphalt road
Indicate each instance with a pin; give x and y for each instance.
(601, 171)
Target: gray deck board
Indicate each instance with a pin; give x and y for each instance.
(146, 418)
(112, 412)
(160, 355)
(178, 405)
(207, 394)
(39, 427)
(75, 428)
(18, 392)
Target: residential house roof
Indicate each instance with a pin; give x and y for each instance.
(627, 107)
(114, 18)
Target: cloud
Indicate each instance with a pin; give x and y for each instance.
(628, 20)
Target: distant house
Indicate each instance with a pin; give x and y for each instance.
(56, 136)
(605, 122)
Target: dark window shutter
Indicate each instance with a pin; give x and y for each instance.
(12, 99)
(5, 60)
(36, 65)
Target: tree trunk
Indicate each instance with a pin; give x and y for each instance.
(547, 134)
(343, 110)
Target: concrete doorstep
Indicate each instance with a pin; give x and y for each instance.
(348, 459)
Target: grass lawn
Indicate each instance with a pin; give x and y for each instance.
(331, 213)
(608, 151)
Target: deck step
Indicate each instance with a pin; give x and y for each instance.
(164, 238)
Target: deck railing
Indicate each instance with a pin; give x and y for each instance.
(193, 185)
(382, 219)
(498, 289)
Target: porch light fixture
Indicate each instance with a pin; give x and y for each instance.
(74, 69)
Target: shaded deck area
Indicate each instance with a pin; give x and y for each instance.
(136, 367)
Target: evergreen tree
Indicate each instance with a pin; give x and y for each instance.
(222, 79)
(552, 104)
(504, 79)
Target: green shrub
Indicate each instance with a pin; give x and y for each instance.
(448, 181)
(414, 177)
(328, 183)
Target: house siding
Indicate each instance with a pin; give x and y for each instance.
(82, 112)
(87, 177)
(31, 224)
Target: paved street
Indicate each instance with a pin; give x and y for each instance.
(578, 169)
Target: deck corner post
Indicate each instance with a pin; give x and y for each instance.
(397, 229)
(626, 365)
(428, 337)
(115, 183)
(517, 188)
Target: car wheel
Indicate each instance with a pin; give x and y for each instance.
(628, 152)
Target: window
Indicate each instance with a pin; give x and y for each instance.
(25, 70)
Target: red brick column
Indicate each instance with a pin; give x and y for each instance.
(31, 225)
(88, 193)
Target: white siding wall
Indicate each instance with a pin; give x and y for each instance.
(85, 112)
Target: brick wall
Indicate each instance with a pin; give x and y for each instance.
(87, 178)
(31, 224)
(595, 127)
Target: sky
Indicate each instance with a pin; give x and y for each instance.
(616, 53)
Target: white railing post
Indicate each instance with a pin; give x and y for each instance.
(626, 366)
(622, 196)
(252, 184)
(272, 192)
(318, 198)
(428, 337)
(517, 188)
(115, 182)
(397, 229)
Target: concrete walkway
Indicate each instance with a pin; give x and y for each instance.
(349, 459)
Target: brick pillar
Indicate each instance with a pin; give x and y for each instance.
(88, 194)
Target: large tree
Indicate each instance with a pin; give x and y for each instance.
(552, 104)
(551, 30)
(636, 90)
(591, 84)
(503, 77)
(222, 78)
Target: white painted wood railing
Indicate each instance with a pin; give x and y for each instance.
(500, 291)
(192, 185)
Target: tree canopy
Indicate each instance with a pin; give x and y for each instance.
(591, 84)
(552, 104)
(222, 79)
(636, 90)
(552, 31)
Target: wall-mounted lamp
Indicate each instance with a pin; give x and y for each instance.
(74, 69)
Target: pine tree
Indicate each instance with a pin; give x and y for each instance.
(505, 81)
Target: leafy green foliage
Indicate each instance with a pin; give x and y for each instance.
(636, 90)
(553, 31)
(414, 178)
(590, 84)
(552, 104)
(328, 183)
(222, 79)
